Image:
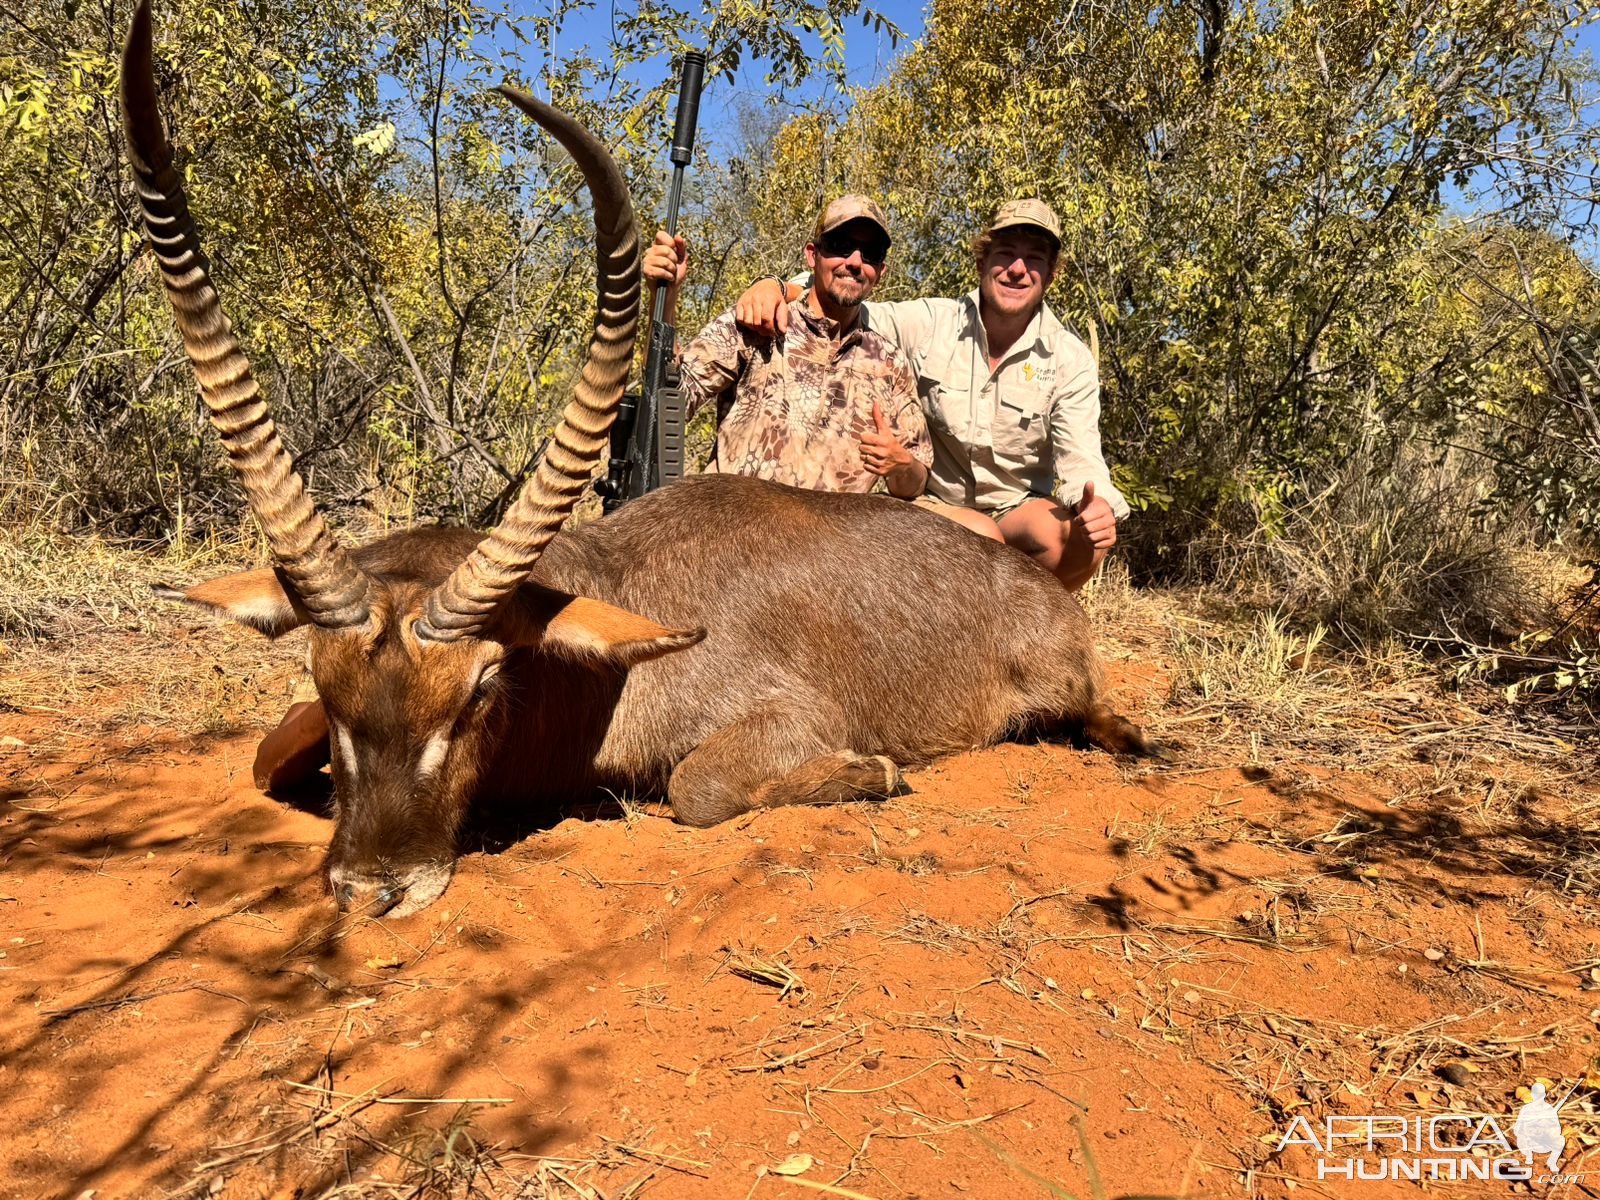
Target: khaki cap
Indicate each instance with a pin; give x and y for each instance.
(1030, 211)
(846, 209)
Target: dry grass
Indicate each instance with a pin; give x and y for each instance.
(766, 970)
(1253, 683)
(1257, 691)
(357, 1158)
(1113, 603)
(78, 622)
(54, 587)
(1406, 544)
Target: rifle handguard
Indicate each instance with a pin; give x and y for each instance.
(669, 428)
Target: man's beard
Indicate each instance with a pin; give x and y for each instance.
(844, 291)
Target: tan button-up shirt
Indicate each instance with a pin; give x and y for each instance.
(794, 408)
(1032, 425)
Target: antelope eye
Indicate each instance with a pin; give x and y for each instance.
(485, 678)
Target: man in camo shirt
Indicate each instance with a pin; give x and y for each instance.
(827, 404)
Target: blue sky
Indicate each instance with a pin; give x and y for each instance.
(868, 54)
(868, 57)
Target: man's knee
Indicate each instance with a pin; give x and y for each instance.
(969, 518)
(980, 523)
(1076, 569)
(1037, 528)
(1042, 529)
(1043, 544)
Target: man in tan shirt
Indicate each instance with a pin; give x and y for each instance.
(1012, 398)
(827, 403)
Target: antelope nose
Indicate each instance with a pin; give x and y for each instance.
(368, 898)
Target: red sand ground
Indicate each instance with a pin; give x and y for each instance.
(1037, 965)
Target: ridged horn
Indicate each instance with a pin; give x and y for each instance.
(328, 583)
(463, 604)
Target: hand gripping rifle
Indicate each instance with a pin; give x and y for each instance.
(647, 438)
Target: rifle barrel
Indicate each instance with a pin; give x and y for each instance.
(682, 153)
(647, 438)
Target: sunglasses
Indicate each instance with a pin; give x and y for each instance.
(842, 245)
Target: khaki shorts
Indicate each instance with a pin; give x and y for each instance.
(934, 504)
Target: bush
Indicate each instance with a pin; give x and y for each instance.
(1402, 546)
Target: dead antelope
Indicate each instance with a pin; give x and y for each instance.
(733, 643)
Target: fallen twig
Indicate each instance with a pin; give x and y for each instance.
(798, 1056)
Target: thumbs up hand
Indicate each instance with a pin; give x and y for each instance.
(881, 450)
(1093, 521)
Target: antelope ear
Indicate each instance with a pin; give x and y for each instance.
(581, 629)
(254, 598)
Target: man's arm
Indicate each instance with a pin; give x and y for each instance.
(1083, 479)
(907, 325)
(763, 307)
(712, 363)
(665, 265)
(910, 427)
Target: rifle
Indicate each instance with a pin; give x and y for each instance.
(647, 437)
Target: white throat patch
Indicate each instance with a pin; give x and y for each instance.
(347, 749)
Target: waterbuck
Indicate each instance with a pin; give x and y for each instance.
(732, 643)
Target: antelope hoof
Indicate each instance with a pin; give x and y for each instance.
(892, 783)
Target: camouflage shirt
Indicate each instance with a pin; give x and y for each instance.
(794, 408)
